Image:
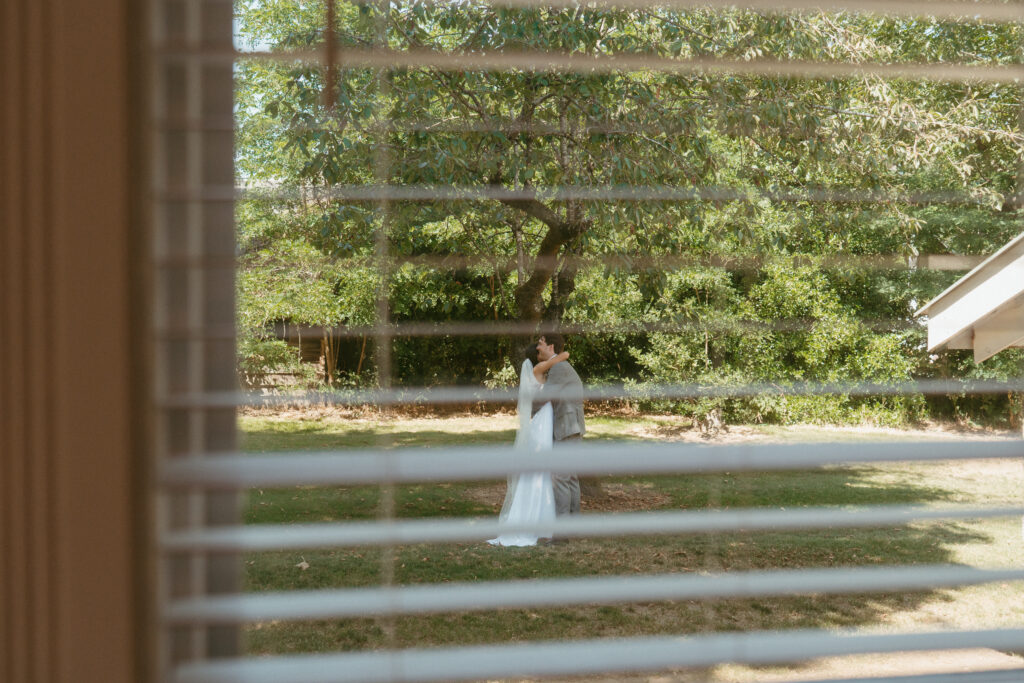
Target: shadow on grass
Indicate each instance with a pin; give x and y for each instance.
(424, 564)
(314, 437)
(835, 486)
(435, 563)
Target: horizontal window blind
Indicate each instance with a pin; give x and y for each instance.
(324, 604)
(202, 475)
(278, 537)
(456, 395)
(593, 656)
(426, 464)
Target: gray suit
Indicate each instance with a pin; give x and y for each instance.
(565, 392)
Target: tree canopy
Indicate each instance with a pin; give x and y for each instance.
(563, 152)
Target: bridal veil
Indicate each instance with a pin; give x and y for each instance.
(529, 498)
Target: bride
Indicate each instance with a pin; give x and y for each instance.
(530, 498)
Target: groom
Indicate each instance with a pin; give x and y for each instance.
(565, 391)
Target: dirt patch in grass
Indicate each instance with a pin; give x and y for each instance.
(626, 497)
(618, 497)
(309, 412)
(671, 428)
(678, 429)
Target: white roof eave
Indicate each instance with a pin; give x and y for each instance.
(972, 274)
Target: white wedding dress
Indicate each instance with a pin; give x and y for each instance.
(530, 499)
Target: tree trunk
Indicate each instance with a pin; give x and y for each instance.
(362, 356)
(561, 231)
(529, 295)
(327, 350)
(517, 232)
(332, 358)
(563, 286)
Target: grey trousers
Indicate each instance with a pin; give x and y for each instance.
(567, 488)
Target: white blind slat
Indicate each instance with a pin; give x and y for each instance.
(469, 463)
(443, 395)
(649, 193)
(485, 595)
(546, 62)
(583, 656)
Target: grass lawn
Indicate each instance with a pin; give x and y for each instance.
(987, 543)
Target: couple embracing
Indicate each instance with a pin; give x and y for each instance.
(550, 412)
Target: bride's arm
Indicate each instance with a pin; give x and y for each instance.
(541, 368)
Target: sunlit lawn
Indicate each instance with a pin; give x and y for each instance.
(987, 543)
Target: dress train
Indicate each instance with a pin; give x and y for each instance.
(530, 498)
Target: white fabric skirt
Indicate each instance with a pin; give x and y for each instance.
(530, 498)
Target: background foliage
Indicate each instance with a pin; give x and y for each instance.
(759, 291)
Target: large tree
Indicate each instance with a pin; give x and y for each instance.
(534, 143)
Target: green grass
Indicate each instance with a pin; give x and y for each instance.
(987, 543)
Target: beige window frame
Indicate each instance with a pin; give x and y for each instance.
(110, 284)
(75, 414)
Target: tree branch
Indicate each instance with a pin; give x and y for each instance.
(559, 232)
(536, 209)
